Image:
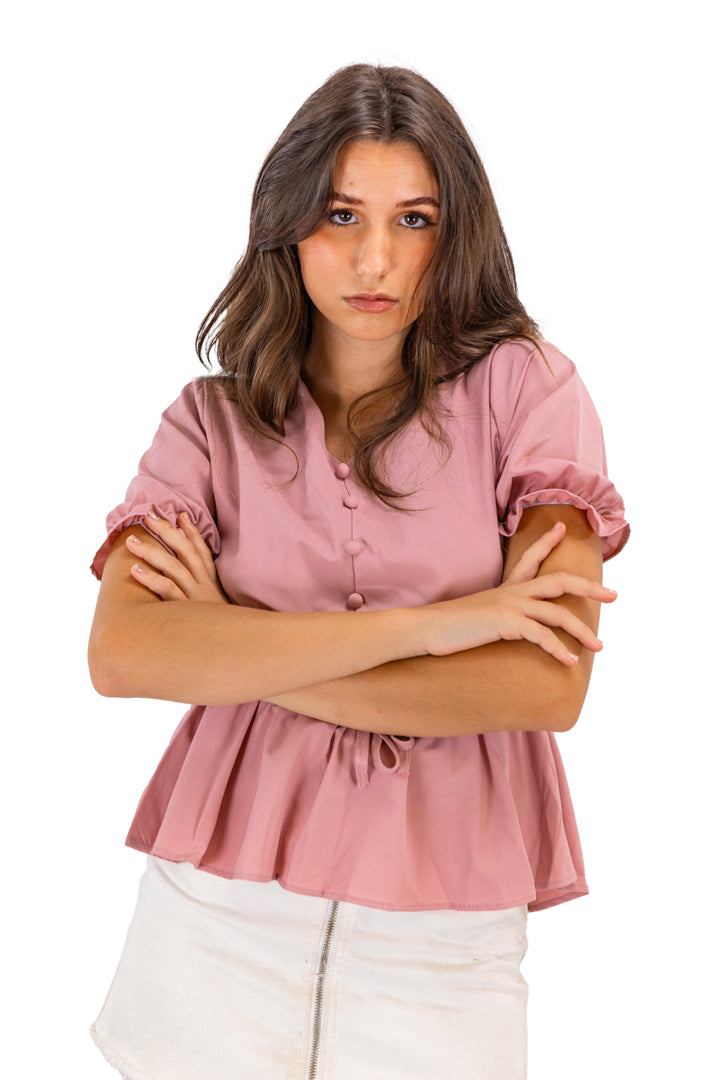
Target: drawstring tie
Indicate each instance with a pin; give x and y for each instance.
(369, 746)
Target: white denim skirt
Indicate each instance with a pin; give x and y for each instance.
(241, 980)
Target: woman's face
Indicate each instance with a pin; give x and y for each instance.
(363, 263)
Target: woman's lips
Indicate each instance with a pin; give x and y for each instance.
(370, 303)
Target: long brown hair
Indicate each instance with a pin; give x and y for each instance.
(260, 325)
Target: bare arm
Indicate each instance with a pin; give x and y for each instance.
(177, 642)
(220, 654)
(506, 685)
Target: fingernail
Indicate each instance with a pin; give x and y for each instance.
(139, 569)
(152, 514)
(573, 657)
(135, 540)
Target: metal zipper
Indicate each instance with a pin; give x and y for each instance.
(318, 1004)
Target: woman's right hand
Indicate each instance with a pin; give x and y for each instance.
(182, 570)
(519, 608)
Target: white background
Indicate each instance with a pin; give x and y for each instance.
(133, 135)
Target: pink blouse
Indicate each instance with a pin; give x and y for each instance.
(255, 791)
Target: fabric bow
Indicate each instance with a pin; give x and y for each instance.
(369, 746)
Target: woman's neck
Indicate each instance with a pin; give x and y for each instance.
(339, 369)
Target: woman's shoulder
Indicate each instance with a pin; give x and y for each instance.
(514, 360)
(513, 370)
(206, 393)
(205, 403)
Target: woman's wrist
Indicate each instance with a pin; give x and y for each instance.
(404, 631)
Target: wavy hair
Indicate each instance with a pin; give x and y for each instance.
(260, 325)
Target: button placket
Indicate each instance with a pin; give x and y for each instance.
(353, 546)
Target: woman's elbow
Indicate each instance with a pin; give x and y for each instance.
(554, 698)
(109, 670)
(565, 719)
(567, 705)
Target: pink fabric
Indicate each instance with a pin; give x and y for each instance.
(254, 791)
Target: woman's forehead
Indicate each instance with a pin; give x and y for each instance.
(368, 166)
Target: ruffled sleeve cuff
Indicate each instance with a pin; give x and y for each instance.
(607, 522)
(174, 475)
(552, 449)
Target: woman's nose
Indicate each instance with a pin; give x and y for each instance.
(373, 257)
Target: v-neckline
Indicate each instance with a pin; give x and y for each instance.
(316, 415)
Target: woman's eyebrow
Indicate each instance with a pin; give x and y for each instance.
(427, 200)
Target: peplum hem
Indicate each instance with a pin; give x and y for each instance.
(539, 900)
(280, 801)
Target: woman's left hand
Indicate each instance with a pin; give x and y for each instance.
(186, 572)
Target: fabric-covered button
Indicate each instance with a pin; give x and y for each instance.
(353, 547)
(355, 600)
(342, 470)
(351, 501)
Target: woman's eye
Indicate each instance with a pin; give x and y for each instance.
(342, 217)
(413, 220)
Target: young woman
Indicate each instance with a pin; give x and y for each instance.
(388, 514)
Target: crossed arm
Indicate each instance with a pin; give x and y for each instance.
(513, 658)
(499, 686)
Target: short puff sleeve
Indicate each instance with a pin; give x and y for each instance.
(175, 474)
(551, 447)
